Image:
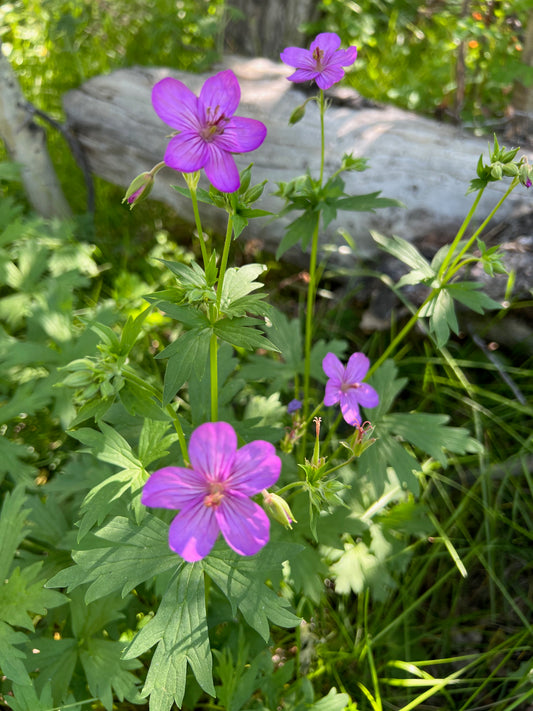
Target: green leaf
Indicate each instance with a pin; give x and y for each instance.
(442, 318)
(55, 661)
(469, 294)
(332, 702)
(154, 441)
(107, 673)
(12, 527)
(242, 333)
(133, 554)
(301, 228)
(179, 629)
(357, 569)
(240, 281)
(242, 582)
(25, 699)
(386, 453)
(430, 433)
(405, 252)
(23, 593)
(188, 352)
(366, 203)
(11, 658)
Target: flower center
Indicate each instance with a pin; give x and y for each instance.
(318, 55)
(215, 496)
(349, 386)
(214, 125)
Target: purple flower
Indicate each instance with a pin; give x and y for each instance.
(345, 386)
(208, 132)
(294, 406)
(322, 62)
(213, 495)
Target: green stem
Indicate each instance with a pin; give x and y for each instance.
(213, 345)
(213, 366)
(224, 260)
(460, 233)
(310, 308)
(405, 330)
(198, 223)
(455, 266)
(311, 291)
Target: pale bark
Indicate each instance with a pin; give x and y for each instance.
(25, 143)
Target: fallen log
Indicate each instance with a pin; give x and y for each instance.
(425, 164)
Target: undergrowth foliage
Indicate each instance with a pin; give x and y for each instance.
(117, 589)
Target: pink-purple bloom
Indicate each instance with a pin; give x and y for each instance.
(213, 494)
(208, 132)
(323, 62)
(345, 387)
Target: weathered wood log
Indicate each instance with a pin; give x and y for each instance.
(25, 143)
(425, 164)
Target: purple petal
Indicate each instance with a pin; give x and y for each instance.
(356, 368)
(345, 57)
(193, 532)
(297, 57)
(212, 450)
(242, 135)
(367, 396)
(256, 467)
(333, 393)
(301, 75)
(175, 104)
(221, 93)
(333, 368)
(350, 408)
(326, 41)
(221, 170)
(244, 524)
(329, 76)
(173, 488)
(187, 152)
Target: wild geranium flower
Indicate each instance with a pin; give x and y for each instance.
(322, 62)
(345, 387)
(208, 132)
(213, 495)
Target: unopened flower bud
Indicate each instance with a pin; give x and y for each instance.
(278, 508)
(496, 171)
(525, 174)
(297, 115)
(139, 189)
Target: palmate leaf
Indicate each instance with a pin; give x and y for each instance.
(11, 658)
(25, 699)
(299, 229)
(109, 446)
(242, 333)
(12, 527)
(188, 353)
(242, 582)
(180, 631)
(106, 672)
(406, 253)
(23, 592)
(134, 554)
(427, 432)
(367, 203)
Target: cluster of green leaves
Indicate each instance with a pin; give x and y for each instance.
(408, 51)
(320, 203)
